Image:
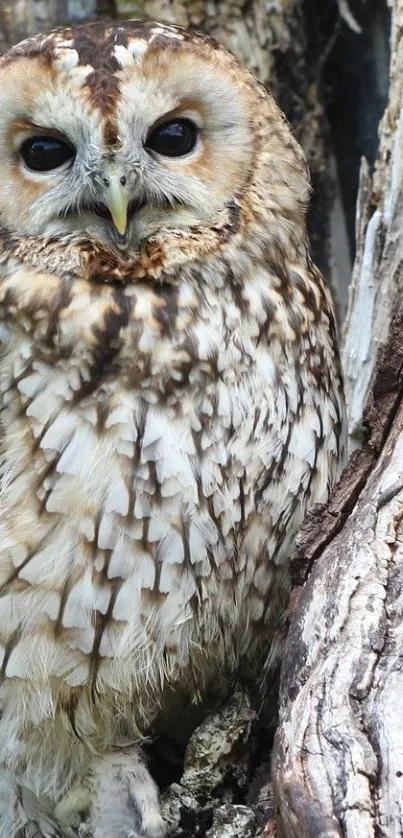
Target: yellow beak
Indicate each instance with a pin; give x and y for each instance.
(117, 201)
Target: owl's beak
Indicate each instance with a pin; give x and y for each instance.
(116, 198)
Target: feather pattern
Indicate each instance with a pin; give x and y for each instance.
(168, 416)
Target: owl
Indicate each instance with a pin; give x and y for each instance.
(171, 405)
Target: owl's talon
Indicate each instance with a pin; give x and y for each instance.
(124, 798)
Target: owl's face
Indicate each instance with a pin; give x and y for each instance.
(120, 132)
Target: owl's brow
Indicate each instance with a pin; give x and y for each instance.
(28, 125)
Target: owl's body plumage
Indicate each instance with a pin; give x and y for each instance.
(171, 406)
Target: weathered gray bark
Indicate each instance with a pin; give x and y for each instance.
(338, 763)
(20, 18)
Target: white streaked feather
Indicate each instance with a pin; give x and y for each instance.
(117, 499)
(107, 533)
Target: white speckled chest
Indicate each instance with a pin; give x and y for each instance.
(139, 526)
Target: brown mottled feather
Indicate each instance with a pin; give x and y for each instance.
(172, 405)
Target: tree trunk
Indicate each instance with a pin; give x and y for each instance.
(20, 18)
(338, 757)
(338, 760)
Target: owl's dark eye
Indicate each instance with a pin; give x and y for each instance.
(173, 139)
(42, 154)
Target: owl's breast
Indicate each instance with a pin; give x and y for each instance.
(159, 458)
(118, 521)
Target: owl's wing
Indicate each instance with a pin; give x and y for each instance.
(4, 340)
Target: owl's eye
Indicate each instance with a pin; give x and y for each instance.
(42, 154)
(173, 139)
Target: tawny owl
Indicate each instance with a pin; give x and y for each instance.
(171, 404)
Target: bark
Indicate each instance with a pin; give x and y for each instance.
(338, 757)
(20, 18)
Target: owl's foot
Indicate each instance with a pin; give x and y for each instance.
(121, 797)
(125, 798)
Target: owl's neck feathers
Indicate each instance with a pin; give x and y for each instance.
(94, 261)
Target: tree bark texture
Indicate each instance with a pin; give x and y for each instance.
(338, 758)
(20, 18)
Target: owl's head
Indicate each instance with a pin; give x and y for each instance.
(127, 132)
